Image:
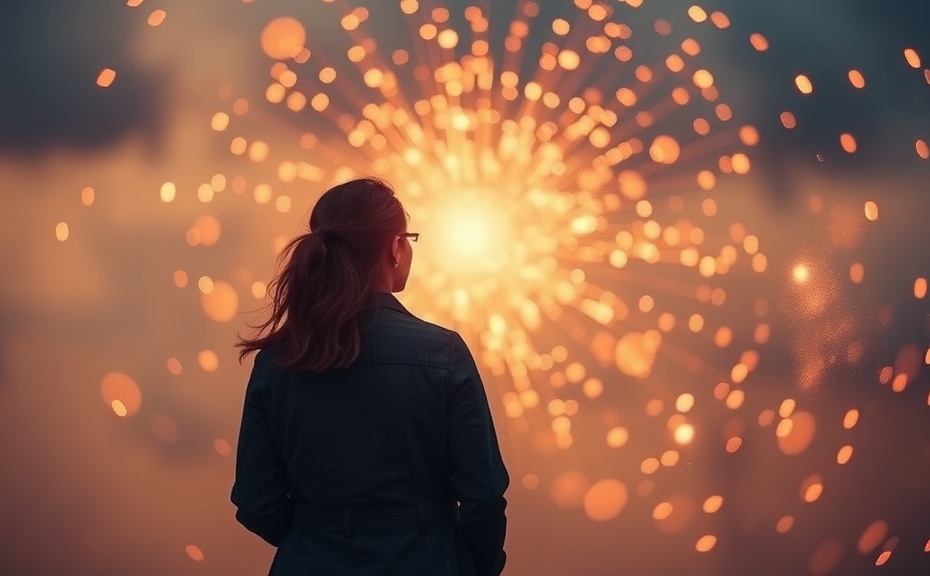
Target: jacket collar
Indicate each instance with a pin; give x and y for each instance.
(388, 300)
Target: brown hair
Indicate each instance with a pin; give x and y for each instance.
(328, 277)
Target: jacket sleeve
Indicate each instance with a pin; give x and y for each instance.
(478, 472)
(260, 490)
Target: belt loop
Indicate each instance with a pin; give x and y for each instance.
(347, 523)
(421, 516)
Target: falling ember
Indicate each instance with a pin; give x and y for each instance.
(157, 17)
(788, 120)
(811, 488)
(133, 3)
(922, 149)
(913, 59)
(920, 288)
(167, 192)
(87, 196)
(61, 231)
(194, 553)
(784, 524)
(705, 543)
(804, 84)
(222, 447)
(759, 42)
(871, 210)
(872, 536)
(848, 142)
(697, 14)
(106, 77)
(851, 418)
(856, 79)
(844, 454)
(857, 273)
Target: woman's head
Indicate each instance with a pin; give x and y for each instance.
(357, 245)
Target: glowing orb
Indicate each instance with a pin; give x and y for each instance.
(283, 38)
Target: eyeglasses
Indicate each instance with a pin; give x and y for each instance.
(415, 236)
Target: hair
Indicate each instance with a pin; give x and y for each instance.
(328, 278)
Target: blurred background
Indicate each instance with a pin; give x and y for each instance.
(687, 244)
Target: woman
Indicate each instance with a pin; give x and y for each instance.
(366, 445)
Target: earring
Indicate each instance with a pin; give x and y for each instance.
(396, 263)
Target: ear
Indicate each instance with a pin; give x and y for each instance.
(395, 249)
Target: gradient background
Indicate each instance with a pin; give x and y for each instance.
(86, 492)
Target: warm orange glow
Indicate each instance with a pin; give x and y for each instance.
(844, 454)
(121, 394)
(804, 84)
(856, 273)
(923, 150)
(87, 196)
(208, 360)
(811, 488)
(920, 288)
(800, 434)
(62, 231)
(788, 120)
(712, 504)
(720, 20)
(759, 42)
(649, 466)
(913, 59)
(617, 436)
(194, 553)
(784, 524)
(221, 303)
(157, 17)
(283, 38)
(703, 79)
(605, 500)
(106, 77)
(872, 536)
(851, 418)
(705, 543)
(697, 13)
(222, 447)
(848, 142)
(220, 121)
(856, 79)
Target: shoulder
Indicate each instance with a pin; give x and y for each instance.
(405, 337)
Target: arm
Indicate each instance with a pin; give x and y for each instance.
(260, 491)
(478, 472)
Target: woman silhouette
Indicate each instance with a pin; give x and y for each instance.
(366, 445)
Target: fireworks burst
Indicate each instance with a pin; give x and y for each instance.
(564, 184)
(564, 193)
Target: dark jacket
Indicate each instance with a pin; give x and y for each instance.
(359, 471)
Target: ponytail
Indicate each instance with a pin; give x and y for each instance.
(327, 278)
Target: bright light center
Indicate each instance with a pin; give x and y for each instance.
(468, 235)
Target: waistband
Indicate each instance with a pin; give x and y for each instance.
(351, 520)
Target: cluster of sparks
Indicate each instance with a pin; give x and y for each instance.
(569, 222)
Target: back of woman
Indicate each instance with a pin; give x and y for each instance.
(366, 446)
